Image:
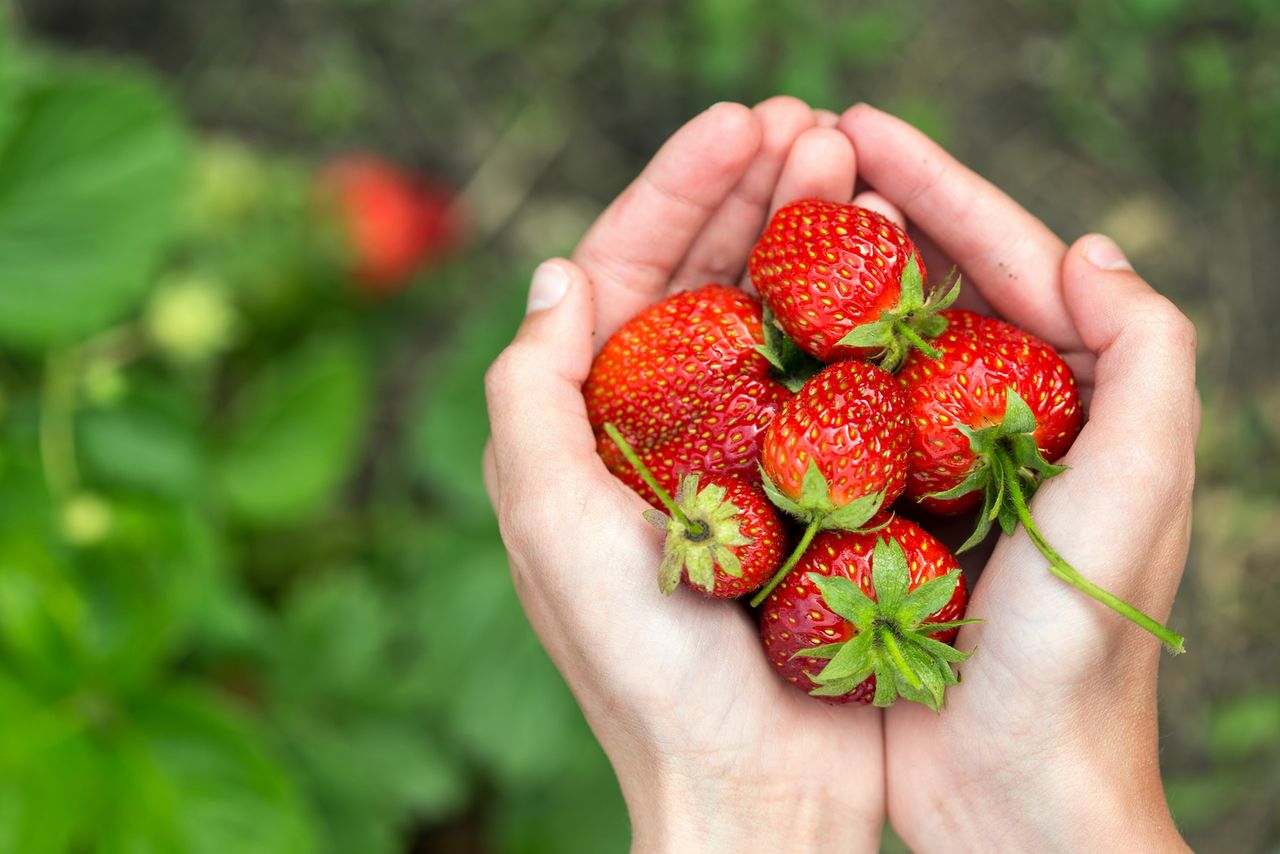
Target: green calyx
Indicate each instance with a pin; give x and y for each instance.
(703, 527)
(1013, 439)
(698, 549)
(1010, 469)
(818, 512)
(893, 642)
(791, 366)
(911, 323)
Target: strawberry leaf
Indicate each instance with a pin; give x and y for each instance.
(844, 598)
(853, 661)
(927, 599)
(890, 574)
(815, 493)
(855, 514)
(877, 333)
(779, 499)
(1018, 417)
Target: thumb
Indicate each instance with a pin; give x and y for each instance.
(542, 442)
(1132, 467)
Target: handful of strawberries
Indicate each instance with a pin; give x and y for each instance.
(773, 438)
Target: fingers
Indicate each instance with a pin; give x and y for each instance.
(719, 253)
(1004, 251)
(542, 443)
(881, 205)
(636, 245)
(826, 118)
(821, 165)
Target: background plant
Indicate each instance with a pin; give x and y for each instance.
(251, 594)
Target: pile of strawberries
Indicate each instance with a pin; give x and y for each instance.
(775, 438)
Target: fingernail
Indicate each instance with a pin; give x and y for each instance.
(548, 287)
(1101, 251)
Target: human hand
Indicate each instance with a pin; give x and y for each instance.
(711, 748)
(1050, 741)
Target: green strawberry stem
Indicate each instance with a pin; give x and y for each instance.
(904, 329)
(783, 570)
(1059, 567)
(696, 529)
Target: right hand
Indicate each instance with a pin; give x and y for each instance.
(1049, 743)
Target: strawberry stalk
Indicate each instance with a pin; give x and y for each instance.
(1008, 457)
(696, 529)
(1068, 573)
(809, 532)
(818, 513)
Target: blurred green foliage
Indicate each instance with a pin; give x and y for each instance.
(247, 565)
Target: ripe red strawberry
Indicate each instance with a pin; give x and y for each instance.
(684, 383)
(395, 222)
(837, 452)
(980, 359)
(824, 635)
(723, 536)
(990, 415)
(845, 282)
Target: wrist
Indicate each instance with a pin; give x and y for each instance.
(1095, 797)
(676, 812)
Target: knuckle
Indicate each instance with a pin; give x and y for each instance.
(504, 374)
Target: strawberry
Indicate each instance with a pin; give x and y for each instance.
(845, 282)
(685, 384)
(963, 392)
(837, 452)
(869, 616)
(991, 413)
(395, 222)
(723, 536)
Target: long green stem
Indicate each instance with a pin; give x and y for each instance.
(1059, 566)
(668, 502)
(789, 565)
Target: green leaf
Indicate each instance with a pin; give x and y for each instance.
(1018, 417)
(873, 334)
(814, 492)
(295, 433)
(826, 650)
(844, 597)
(779, 499)
(890, 574)
(192, 773)
(983, 526)
(92, 172)
(143, 449)
(928, 599)
(855, 514)
(912, 297)
(852, 663)
(702, 570)
(976, 479)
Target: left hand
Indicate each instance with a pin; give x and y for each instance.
(711, 748)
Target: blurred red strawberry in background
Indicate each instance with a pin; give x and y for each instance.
(396, 222)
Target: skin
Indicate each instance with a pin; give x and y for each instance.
(710, 746)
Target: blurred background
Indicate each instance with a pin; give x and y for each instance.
(254, 258)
